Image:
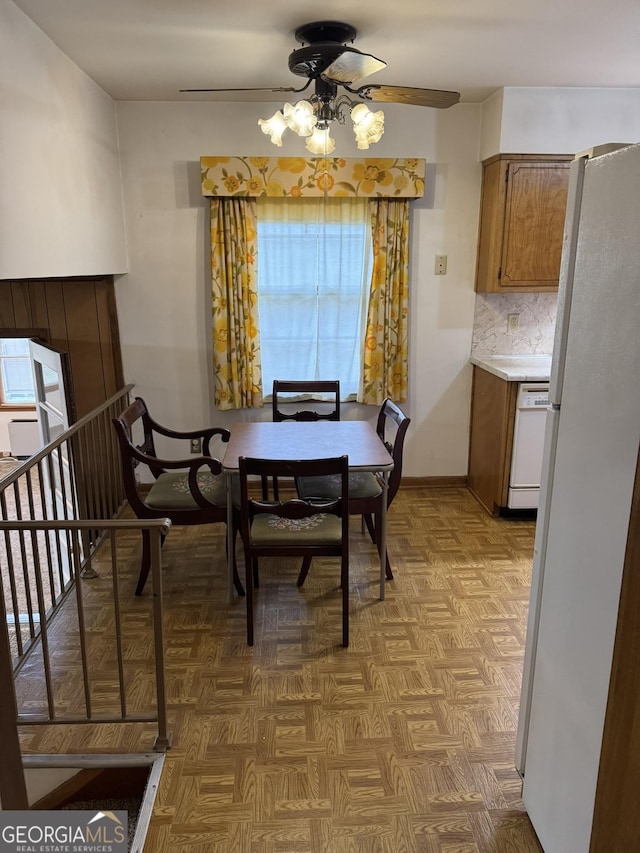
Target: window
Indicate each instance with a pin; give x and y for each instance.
(314, 270)
(16, 376)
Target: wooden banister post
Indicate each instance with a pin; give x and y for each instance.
(13, 790)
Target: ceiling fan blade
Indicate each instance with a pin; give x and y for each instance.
(251, 89)
(352, 65)
(408, 95)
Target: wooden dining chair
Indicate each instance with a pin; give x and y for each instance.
(365, 490)
(187, 491)
(296, 527)
(324, 397)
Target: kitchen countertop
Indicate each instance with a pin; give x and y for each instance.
(516, 368)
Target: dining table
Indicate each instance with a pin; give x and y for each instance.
(291, 440)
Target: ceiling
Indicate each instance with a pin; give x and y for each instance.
(149, 49)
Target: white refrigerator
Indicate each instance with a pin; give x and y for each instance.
(591, 448)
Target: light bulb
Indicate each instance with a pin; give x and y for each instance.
(274, 127)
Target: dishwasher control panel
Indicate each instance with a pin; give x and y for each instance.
(533, 396)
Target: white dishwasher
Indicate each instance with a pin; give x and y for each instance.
(528, 440)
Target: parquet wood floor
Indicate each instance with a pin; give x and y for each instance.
(402, 743)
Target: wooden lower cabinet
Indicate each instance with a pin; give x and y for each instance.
(493, 410)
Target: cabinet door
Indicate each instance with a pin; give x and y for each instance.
(536, 200)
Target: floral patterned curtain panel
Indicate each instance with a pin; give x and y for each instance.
(385, 363)
(236, 341)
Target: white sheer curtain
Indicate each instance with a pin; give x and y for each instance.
(314, 270)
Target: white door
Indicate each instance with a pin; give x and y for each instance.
(52, 385)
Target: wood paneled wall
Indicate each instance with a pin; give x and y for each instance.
(77, 316)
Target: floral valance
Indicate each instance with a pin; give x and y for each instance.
(297, 177)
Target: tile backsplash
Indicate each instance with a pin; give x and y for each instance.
(534, 336)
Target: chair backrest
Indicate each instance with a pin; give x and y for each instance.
(391, 414)
(326, 388)
(295, 508)
(132, 454)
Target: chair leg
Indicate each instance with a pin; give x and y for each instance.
(145, 562)
(387, 568)
(304, 570)
(368, 520)
(344, 580)
(256, 573)
(249, 587)
(236, 577)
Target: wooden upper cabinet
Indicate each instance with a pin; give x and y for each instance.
(524, 198)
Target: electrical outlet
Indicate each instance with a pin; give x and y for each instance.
(441, 265)
(513, 323)
(196, 445)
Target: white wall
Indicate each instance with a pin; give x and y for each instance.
(491, 127)
(60, 190)
(559, 120)
(164, 303)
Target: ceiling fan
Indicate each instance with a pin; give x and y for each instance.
(328, 62)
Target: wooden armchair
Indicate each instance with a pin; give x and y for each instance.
(365, 491)
(187, 491)
(298, 528)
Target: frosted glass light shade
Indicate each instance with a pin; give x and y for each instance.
(367, 126)
(320, 142)
(300, 117)
(274, 127)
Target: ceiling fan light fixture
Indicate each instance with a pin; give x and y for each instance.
(320, 142)
(300, 117)
(368, 126)
(274, 127)
(327, 61)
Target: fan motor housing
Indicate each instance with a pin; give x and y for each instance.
(325, 31)
(324, 42)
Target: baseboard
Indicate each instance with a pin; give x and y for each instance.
(433, 482)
